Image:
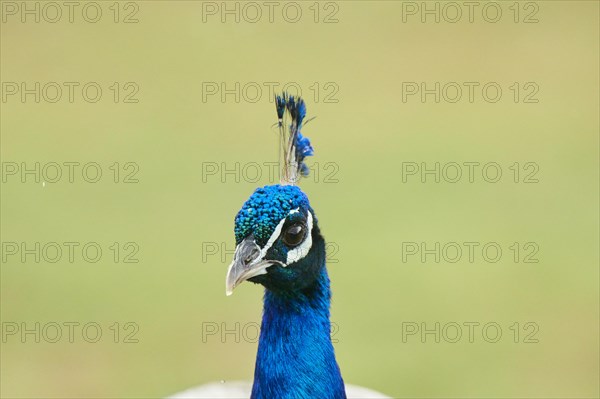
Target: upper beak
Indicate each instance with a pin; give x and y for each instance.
(247, 263)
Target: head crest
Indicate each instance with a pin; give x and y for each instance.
(293, 147)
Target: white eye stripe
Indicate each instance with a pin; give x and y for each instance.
(272, 239)
(297, 253)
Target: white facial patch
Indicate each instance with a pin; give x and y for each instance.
(302, 250)
(297, 253)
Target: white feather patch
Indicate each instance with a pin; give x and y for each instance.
(297, 253)
(242, 390)
(302, 250)
(273, 238)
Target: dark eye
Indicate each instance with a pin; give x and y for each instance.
(294, 235)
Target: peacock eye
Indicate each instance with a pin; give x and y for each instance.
(294, 235)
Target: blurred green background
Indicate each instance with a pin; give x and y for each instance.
(365, 129)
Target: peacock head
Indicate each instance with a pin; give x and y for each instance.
(278, 243)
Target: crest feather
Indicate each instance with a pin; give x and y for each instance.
(293, 146)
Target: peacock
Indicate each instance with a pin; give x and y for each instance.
(280, 246)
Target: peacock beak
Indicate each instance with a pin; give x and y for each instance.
(247, 263)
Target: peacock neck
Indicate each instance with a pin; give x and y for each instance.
(295, 356)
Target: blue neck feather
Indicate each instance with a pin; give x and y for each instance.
(295, 355)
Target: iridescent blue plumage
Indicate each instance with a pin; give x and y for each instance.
(295, 356)
(264, 209)
(303, 150)
(279, 245)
